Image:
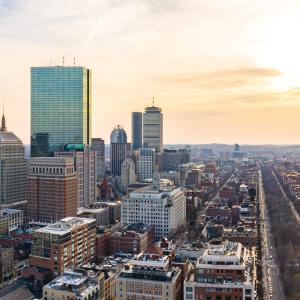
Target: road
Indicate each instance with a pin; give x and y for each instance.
(273, 288)
(291, 205)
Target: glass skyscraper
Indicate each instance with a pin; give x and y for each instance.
(136, 130)
(60, 108)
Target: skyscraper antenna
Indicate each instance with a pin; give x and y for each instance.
(3, 105)
(63, 60)
(74, 61)
(153, 101)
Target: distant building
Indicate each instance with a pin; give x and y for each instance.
(128, 176)
(170, 159)
(118, 149)
(66, 244)
(146, 163)
(153, 128)
(149, 275)
(60, 108)
(223, 272)
(52, 189)
(85, 167)
(72, 284)
(136, 130)
(99, 146)
(161, 206)
(13, 168)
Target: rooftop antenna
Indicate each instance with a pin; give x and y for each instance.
(63, 60)
(152, 101)
(74, 61)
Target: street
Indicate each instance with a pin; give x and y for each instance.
(273, 288)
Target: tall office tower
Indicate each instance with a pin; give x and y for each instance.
(153, 128)
(136, 130)
(161, 206)
(65, 244)
(118, 149)
(60, 108)
(99, 146)
(85, 167)
(13, 168)
(128, 176)
(52, 189)
(146, 163)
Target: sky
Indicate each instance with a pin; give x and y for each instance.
(222, 71)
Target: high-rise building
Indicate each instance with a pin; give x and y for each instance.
(13, 168)
(224, 271)
(85, 167)
(65, 244)
(52, 189)
(118, 149)
(128, 176)
(136, 130)
(60, 108)
(146, 163)
(99, 146)
(153, 128)
(161, 206)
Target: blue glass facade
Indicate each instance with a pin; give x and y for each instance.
(137, 130)
(60, 108)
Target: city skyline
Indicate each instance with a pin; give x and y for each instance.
(216, 78)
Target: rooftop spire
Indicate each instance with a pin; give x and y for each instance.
(153, 101)
(3, 122)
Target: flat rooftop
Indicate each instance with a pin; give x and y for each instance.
(65, 225)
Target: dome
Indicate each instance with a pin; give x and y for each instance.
(118, 135)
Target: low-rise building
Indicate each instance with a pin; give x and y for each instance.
(72, 285)
(149, 277)
(6, 264)
(224, 271)
(15, 217)
(133, 238)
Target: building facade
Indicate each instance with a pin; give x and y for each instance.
(153, 128)
(85, 166)
(13, 168)
(66, 244)
(99, 146)
(224, 271)
(149, 277)
(118, 149)
(72, 284)
(128, 176)
(136, 130)
(146, 163)
(52, 189)
(161, 206)
(60, 108)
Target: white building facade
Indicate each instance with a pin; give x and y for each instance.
(163, 207)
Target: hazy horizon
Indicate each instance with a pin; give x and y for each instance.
(221, 71)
